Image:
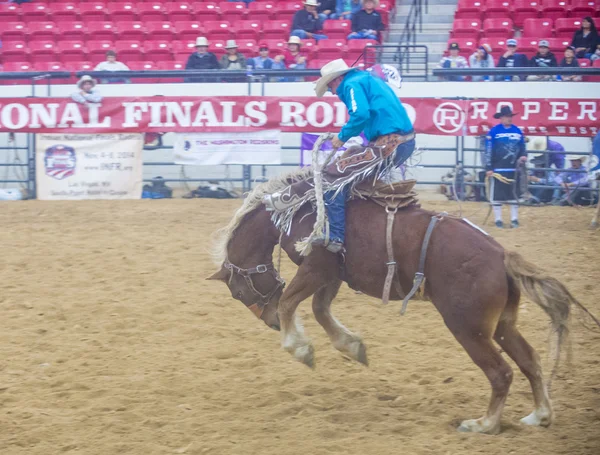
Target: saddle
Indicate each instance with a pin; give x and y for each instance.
(394, 195)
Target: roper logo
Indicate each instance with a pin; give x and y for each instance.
(449, 117)
(60, 161)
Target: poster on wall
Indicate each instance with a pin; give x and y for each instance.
(308, 140)
(207, 149)
(89, 166)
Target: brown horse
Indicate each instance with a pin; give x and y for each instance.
(472, 281)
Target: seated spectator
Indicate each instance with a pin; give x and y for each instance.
(293, 57)
(540, 178)
(543, 59)
(111, 64)
(585, 39)
(233, 60)
(346, 9)
(512, 59)
(482, 58)
(596, 55)
(262, 61)
(306, 22)
(569, 62)
(367, 23)
(202, 60)
(572, 184)
(86, 93)
(326, 10)
(453, 60)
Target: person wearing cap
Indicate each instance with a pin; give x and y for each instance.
(202, 59)
(262, 61)
(482, 58)
(569, 61)
(543, 59)
(573, 184)
(86, 92)
(306, 22)
(505, 149)
(512, 59)
(233, 60)
(346, 9)
(367, 23)
(453, 60)
(375, 110)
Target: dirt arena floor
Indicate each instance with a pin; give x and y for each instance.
(113, 343)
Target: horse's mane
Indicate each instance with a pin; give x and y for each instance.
(252, 201)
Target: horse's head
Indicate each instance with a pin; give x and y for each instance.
(258, 288)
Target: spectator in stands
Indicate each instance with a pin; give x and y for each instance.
(201, 60)
(111, 64)
(540, 178)
(367, 23)
(596, 55)
(453, 60)
(346, 9)
(543, 59)
(482, 58)
(294, 57)
(572, 184)
(233, 60)
(569, 62)
(512, 59)
(262, 61)
(585, 39)
(86, 93)
(306, 22)
(326, 10)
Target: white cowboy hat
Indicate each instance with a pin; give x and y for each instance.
(86, 79)
(201, 41)
(581, 158)
(329, 72)
(295, 40)
(311, 3)
(230, 44)
(538, 144)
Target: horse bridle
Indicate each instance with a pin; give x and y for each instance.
(265, 299)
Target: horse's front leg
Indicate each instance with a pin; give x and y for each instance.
(342, 339)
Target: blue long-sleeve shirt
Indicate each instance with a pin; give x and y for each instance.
(596, 151)
(504, 146)
(373, 107)
(578, 178)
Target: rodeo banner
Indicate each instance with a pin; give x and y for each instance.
(89, 166)
(229, 114)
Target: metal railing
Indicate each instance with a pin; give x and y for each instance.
(410, 59)
(523, 72)
(412, 26)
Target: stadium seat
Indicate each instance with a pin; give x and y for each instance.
(131, 31)
(79, 66)
(466, 45)
(101, 30)
(525, 9)
(330, 49)
(528, 46)
(469, 9)
(558, 45)
(286, 10)
(276, 46)
(233, 11)
(130, 51)
(151, 11)
(72, 30)
(553, 9)
(13, 31)
(160, 30)
(497, 44)
(261, 11)
(188, 30)
(585, 63)
(17, 67)
(10, 12)
(583, 8)
(71, 51)
(171, 66)
(384, 9)
(566, 26)
(218, 30)
(179, 11)
(206, 11)
(43, 51)
(122, 11)
(42, 31)
(541, 28)
(31, 12)
(465, 28)
(499, 9)
(67, 11)
(247, 29)
(277, 30)
(337, 29)
(182, 57)
(248, 47)
(92, 11)
(15, 51)
(216, 46)
(355, 48)
(144, 66)
(161, 50)
(97, 50)
(497, 27)
(49, 66)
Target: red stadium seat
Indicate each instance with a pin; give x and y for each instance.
(553, 9)
(597, 22)
(144, 66)
(67, 11)
(248, 47)
(206, 11)
(330, 49)
(179, 11)
(49, 66)
(277, 30)
(79, 66)
(497, 27)
(337, 29)
(384, 10)
(101, 30)
(558, 45)
(171, 66)
(566, 26)
(37, 11)
(465, 28)
(17, 67)
(188, 30)
(92, 11)
(218, 30)
(286, 10)
(97, 50)
(525, 9)
(247, 29)
(467, 45)
(497, 44)
(537, 27)
(10, 12)
(151, 11)
(584, 62)
(177, 46)
(43, 51)
(160, 50)
(182, 56)
(262, 11)
(498, 9)
(130, 51)
(15, 51)
(276, 46)
(73, 30)
(528, 46)
(160, 30)
(469, 9)
(356, 47)
(233, 11)
(13, 31)
(583, 8)
(216, 46)
(71, 51)
(122, 11)
(42, 30)
(131, 31)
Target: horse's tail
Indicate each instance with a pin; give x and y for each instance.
(547, 292)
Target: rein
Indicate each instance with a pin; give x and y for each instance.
(265, 299)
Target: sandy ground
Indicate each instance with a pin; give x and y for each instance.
(113, 343)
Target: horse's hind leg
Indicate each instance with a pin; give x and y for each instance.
(343, 339)
(508, 337)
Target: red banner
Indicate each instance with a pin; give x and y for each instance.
(552, 117)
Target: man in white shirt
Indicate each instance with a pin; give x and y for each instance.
(111, 64)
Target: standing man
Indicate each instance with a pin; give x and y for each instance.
(374, 109)
(505, 148)
(307, 23)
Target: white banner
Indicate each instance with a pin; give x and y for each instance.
(206, 149)
(89, 166)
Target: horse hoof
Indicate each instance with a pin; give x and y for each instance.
(306, 355)
(478, 426)
(361, 353)
(594, 225)
(541, 419)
